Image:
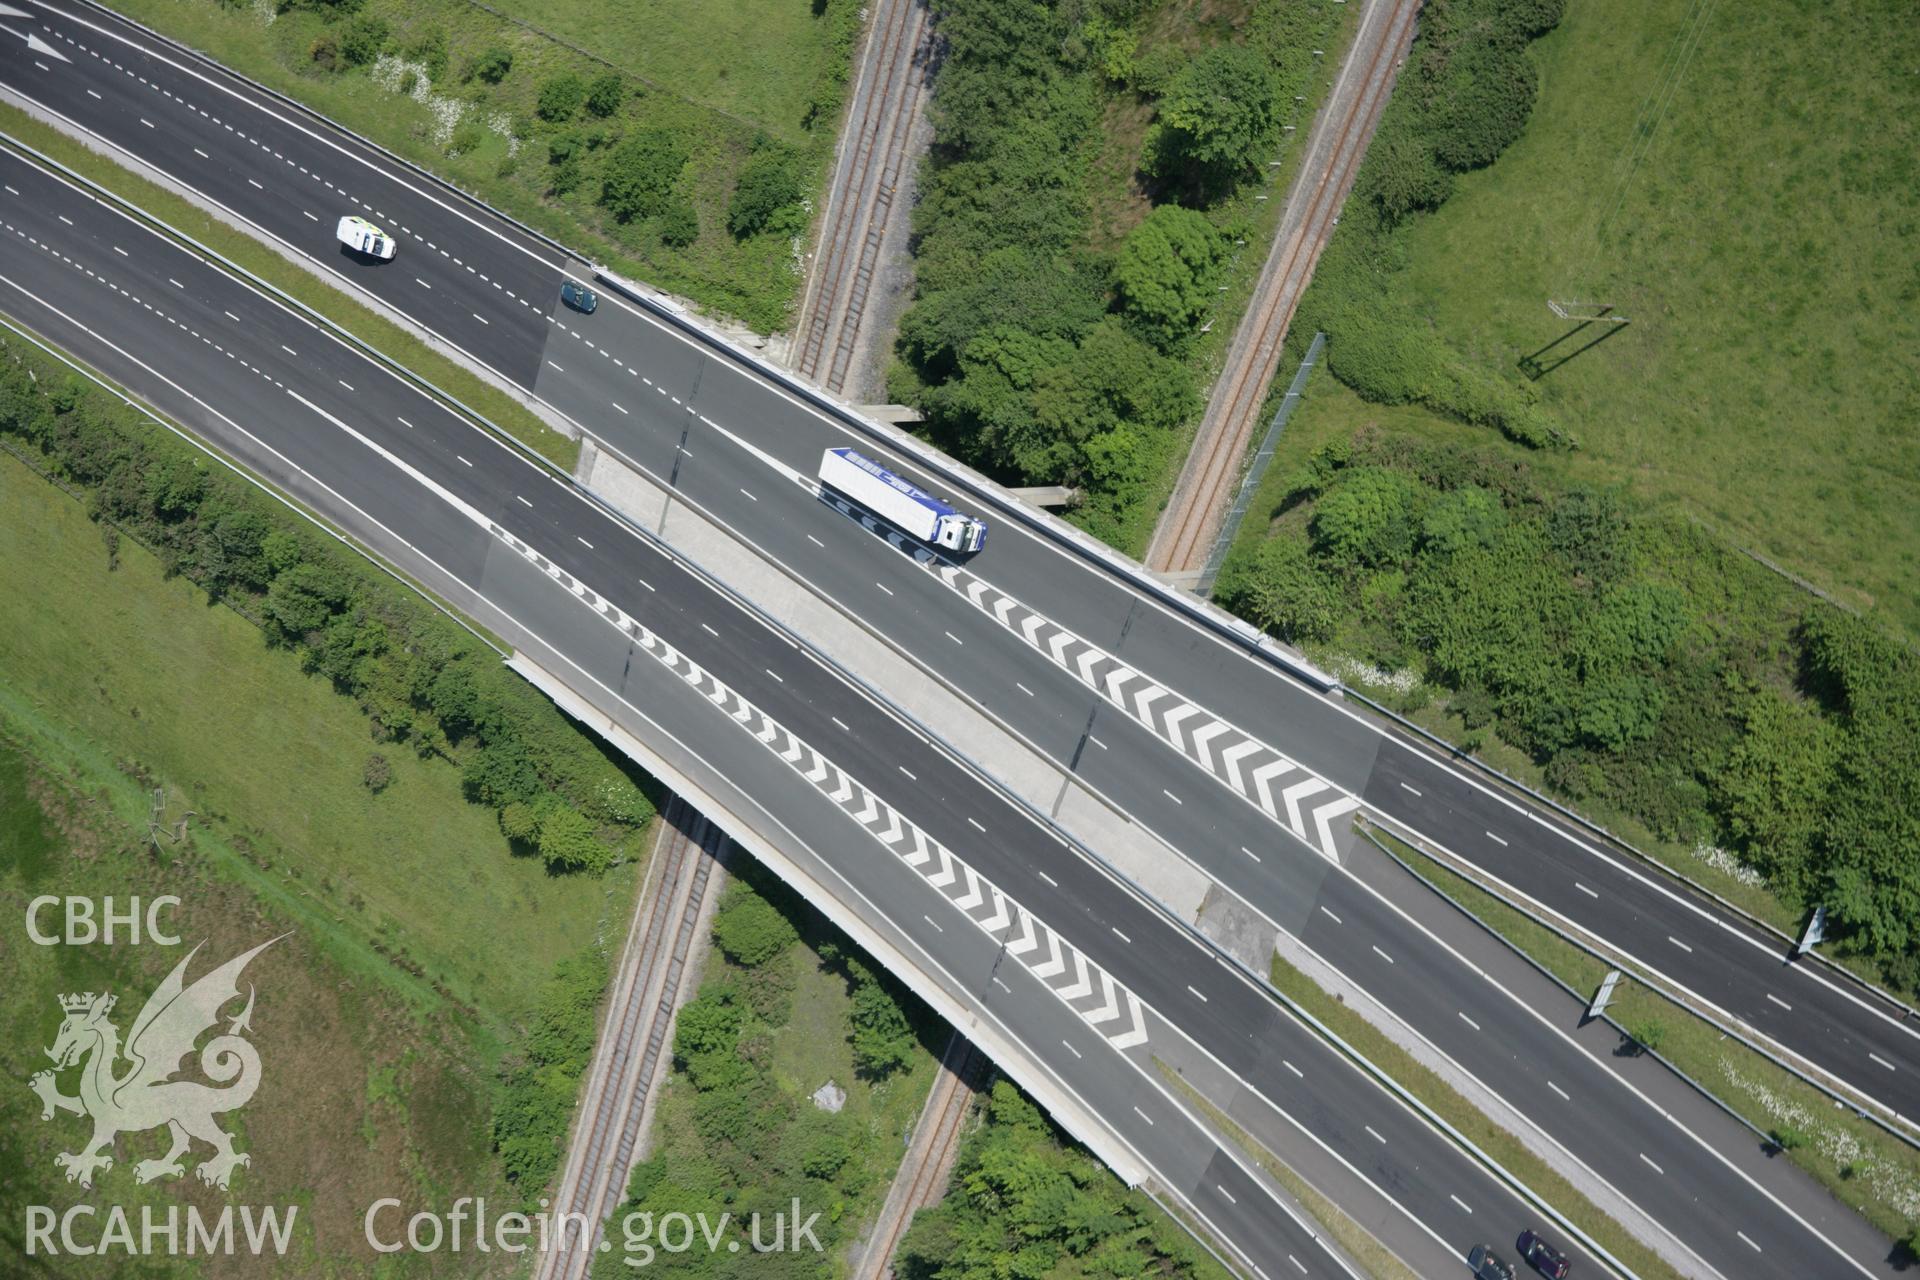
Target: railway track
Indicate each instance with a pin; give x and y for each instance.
(634, 1040)
(1184, 537)
(886, 108)
(923, 1173)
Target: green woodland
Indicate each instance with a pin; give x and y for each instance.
(1643, 665)
(1044, 345)
(785, 1005)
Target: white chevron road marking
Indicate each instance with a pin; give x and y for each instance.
(1110, 1006)
(1177, 717)
(945, 875)
(973, 896)
(1082, 985)
(1230, 760)
(1053, 966)
(1293, 795)
(1203, 739)
(1263, 782)
(1323, 819)
(1026, 941)
(1137, 1035)
(998, 920)
(1085, 664)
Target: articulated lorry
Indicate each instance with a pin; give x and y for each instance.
(900, 502)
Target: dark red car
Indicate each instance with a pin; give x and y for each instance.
(1541, 1256)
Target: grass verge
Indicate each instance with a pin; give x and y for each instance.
(369, 326)
(107, 661)
(1864, 1167)
(1505, 1149)
(1767, 398)
(1359, 1244)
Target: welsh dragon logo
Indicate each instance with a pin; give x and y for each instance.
(145, 1095)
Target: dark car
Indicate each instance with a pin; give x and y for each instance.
(578, 296)
(1542, 1257)
(1487, 1265)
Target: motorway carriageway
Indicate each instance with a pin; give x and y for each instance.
(261, 381)
(640, 386)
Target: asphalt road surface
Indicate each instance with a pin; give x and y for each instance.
(320, 419)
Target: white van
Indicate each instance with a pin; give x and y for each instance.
(362, 236)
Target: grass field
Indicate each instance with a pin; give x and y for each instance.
(712, 90)
(362, 1092)
(124, 671)
(1767, 252)
(756, 60)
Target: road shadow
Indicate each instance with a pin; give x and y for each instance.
(1538, 364)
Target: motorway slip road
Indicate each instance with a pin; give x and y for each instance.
(1088, 981)
(640, 384)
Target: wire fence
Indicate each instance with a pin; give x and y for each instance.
(1261, 460)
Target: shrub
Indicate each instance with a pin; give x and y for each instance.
(377, 774)
(679, 222)
(567, 841)
(1277, 588)
(560, 98)
(541, 1075)
(640, 174)
(1465, 518)
(518, 821)
(493, 65)
(325, 52)
(605, 94)
(1217, 117)
(429, 48)
(362, 40)
(467, 136)
(749, 928)
(1367, 518)
(765, 190)
(1165, 272)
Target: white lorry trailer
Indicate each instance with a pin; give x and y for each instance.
(900, 502)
